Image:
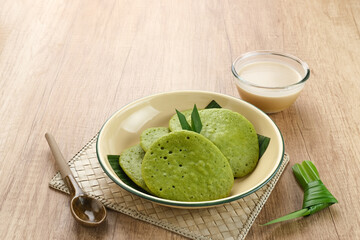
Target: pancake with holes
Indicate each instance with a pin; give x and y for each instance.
(186, 166)
(150, 135)
(232, 133)
(130, 161)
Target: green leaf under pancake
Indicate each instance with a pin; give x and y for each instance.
(263, 144)
(114, 163)
(213, 104)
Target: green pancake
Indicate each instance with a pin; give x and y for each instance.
(186, 166)
(130, 161)
(150, 135)
(232, 133)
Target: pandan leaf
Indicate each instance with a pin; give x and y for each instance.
(182, 119)
(316, 195)
(263, 144)
(196, 124)
(114, 163)
(296, 214)
(213, 104)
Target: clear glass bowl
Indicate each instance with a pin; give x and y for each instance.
(267, 86)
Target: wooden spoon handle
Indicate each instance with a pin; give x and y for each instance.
(65, 171)
(59, 158)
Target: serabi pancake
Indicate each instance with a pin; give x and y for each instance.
(186, 166)
(232, 133)
(150, 135)
(130, 161)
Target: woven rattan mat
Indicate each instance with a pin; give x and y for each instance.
(229, 221)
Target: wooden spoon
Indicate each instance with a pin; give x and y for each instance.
(86, 210)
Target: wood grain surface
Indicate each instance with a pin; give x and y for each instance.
(66, 66)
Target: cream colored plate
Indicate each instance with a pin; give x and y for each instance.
(123, 130)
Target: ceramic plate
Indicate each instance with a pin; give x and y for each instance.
(122, 130)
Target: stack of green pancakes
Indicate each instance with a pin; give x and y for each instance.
(183, 165)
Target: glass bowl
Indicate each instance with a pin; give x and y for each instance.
(271, 81)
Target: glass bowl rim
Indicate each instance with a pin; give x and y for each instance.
(268, 52)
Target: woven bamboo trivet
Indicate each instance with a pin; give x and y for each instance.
(229, 221)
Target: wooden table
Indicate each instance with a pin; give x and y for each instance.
(66, 66)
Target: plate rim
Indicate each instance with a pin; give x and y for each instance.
(173, 203)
